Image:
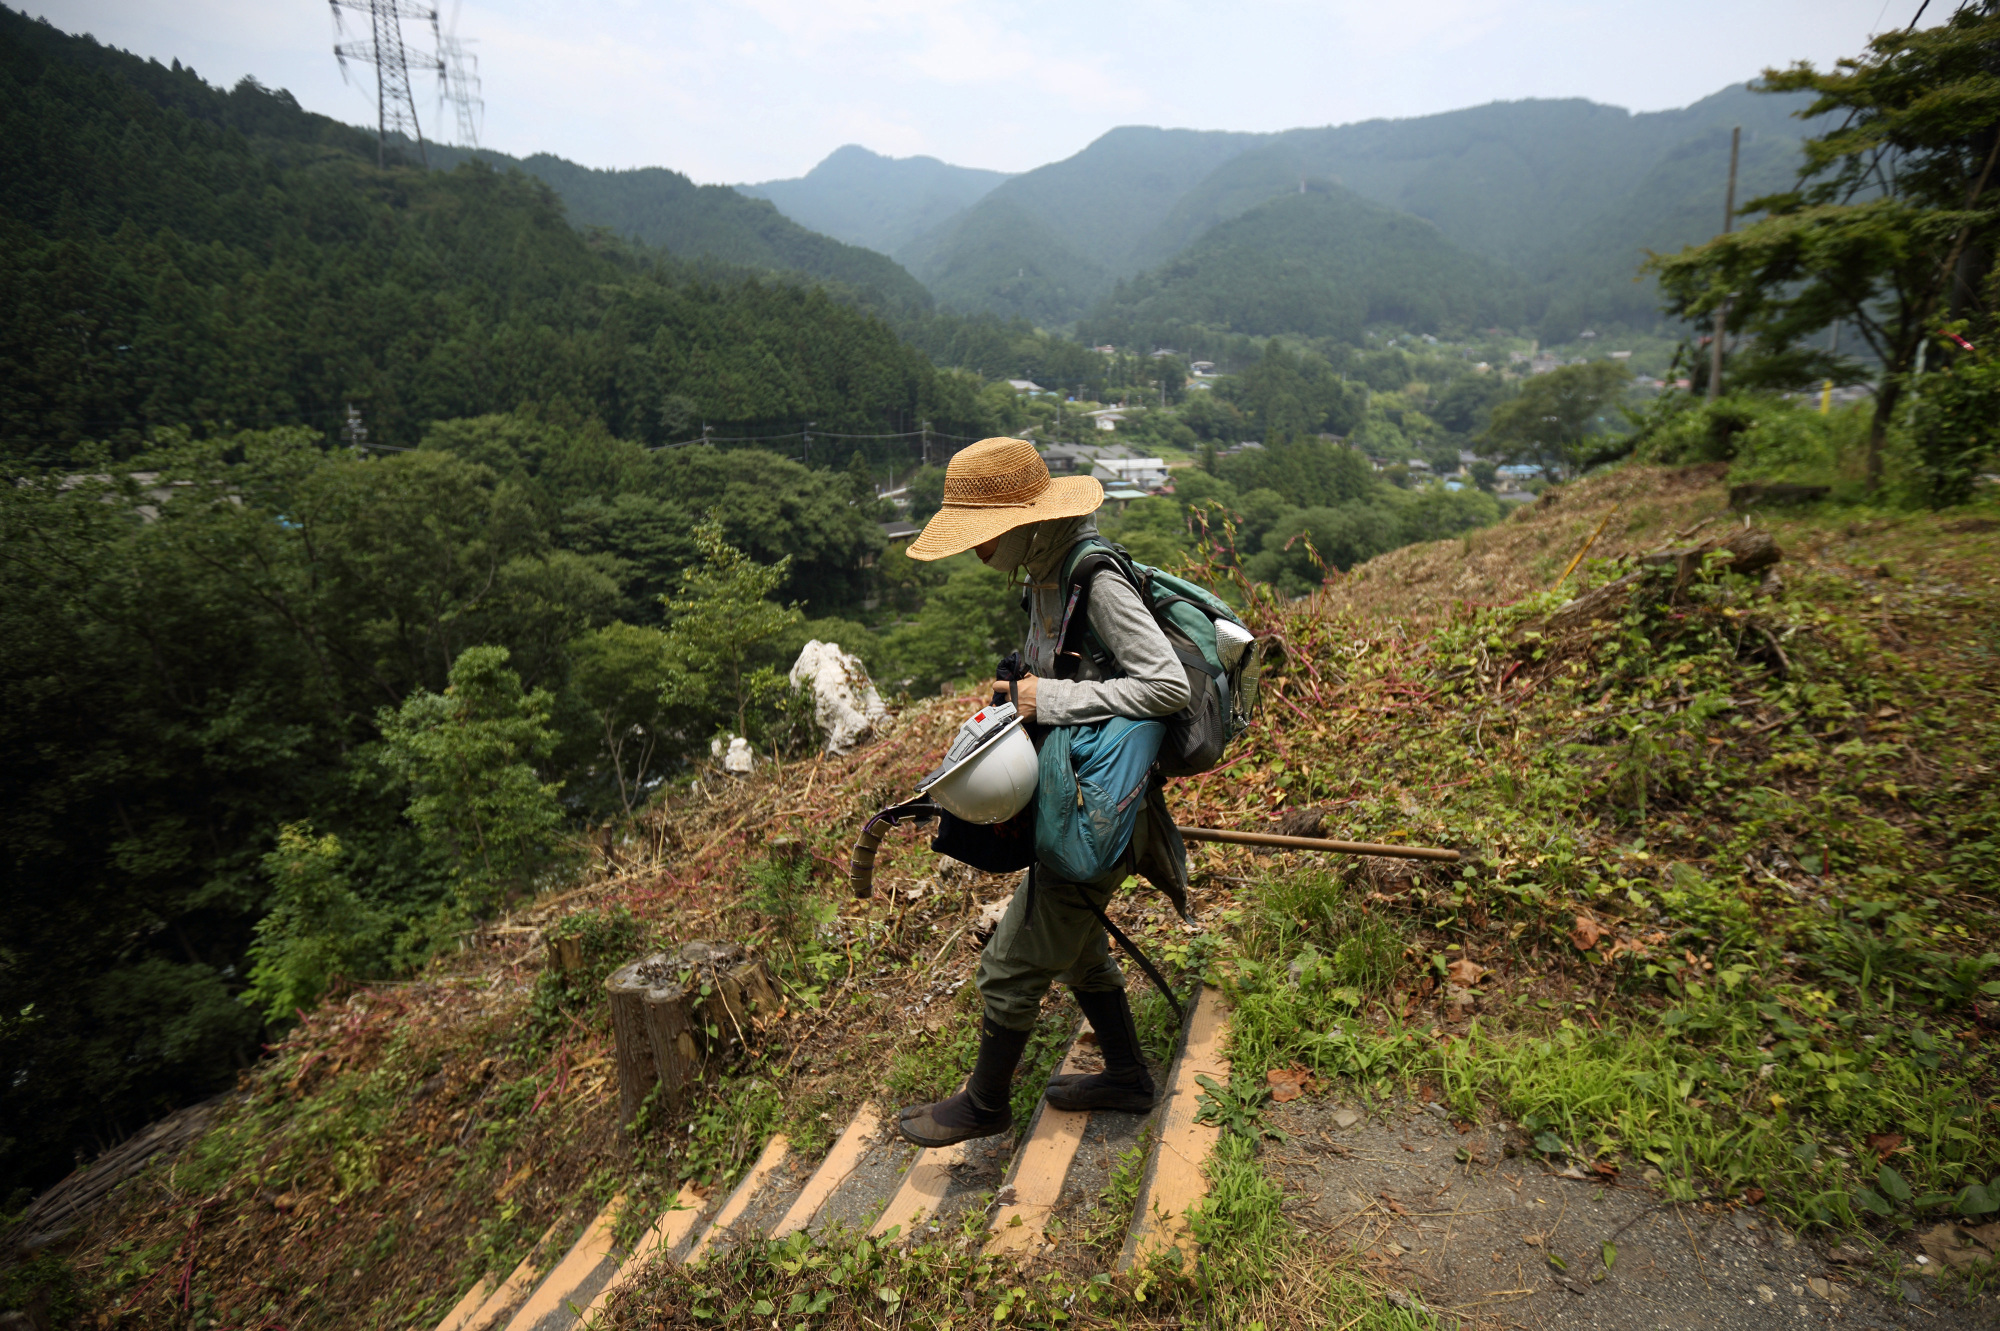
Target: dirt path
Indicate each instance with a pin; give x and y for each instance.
(1498, 1241)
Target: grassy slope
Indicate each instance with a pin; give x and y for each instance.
(1805, 881)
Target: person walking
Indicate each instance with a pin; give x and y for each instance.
(1001, 503)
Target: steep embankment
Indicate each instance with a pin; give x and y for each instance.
(1723, 937)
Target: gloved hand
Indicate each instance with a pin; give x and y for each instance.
(1020, 692)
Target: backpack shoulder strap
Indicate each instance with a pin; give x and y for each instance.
(1080, 569)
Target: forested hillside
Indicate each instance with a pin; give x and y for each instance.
(231, 650)
(1047, 243)
(662, 208)
(178, 255)
(1322, 262)
(881, 202)
(1568, 194)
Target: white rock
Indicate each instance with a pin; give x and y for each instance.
(740, 757)
(845, 703)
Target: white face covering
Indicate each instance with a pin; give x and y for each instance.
(1010, 551)
(1038, 544)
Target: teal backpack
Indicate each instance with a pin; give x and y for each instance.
(1223, 696)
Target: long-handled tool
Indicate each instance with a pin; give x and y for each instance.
(861, 865)
(1272, 839)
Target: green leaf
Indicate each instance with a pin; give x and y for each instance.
(1610, 1255)
(1548, 1143)
(1931, 1199)
(763, 1307)
(1872, 1200)
(1892, 1184)
(1558, 1263)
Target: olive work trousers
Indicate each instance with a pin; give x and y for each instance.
(1050, 933)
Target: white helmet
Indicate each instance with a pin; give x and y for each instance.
(990, 771)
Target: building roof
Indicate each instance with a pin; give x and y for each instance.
(1025, 386)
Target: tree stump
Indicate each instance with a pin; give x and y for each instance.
(566, 954)
(1749, 552)
(681, 1009)
(637, 1072)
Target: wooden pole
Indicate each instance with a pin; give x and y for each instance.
(1277, 842)
(1722, 310)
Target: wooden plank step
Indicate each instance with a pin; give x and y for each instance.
(860, 1135)
(500, 1299)
(462, 1311)
(666, 1233)
(923, 1189)
(1040, 1166)
(1176, 1177)
(768, 1163)
(574, 1282)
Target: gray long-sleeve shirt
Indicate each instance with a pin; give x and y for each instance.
(1154, 682)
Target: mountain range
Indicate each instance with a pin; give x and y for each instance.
(1560, 199)
(1529, 214)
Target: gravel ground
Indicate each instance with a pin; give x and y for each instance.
(1493, 1239)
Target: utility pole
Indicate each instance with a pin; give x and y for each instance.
(1722, 310)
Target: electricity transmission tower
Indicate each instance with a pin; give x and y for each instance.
(395, 105)
(458, 83)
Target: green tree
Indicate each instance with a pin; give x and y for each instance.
(317, 929)
(964, 629)
(1555, 415)
(1309, 472)
(926, 492)
(1894, 212)
(1153, 529)
(720, 630)
(467, 757)
(619, 673)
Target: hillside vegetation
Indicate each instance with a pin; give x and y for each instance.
(1073, 225)
(663, 209)
(1726, 930)
(1565, 195)
(179, 255)
(1321, 262)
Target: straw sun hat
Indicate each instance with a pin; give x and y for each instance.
(995, 486)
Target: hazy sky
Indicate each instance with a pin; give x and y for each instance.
(760, 89)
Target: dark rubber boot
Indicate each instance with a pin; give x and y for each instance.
(982, 1108)
(1124, 1084)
